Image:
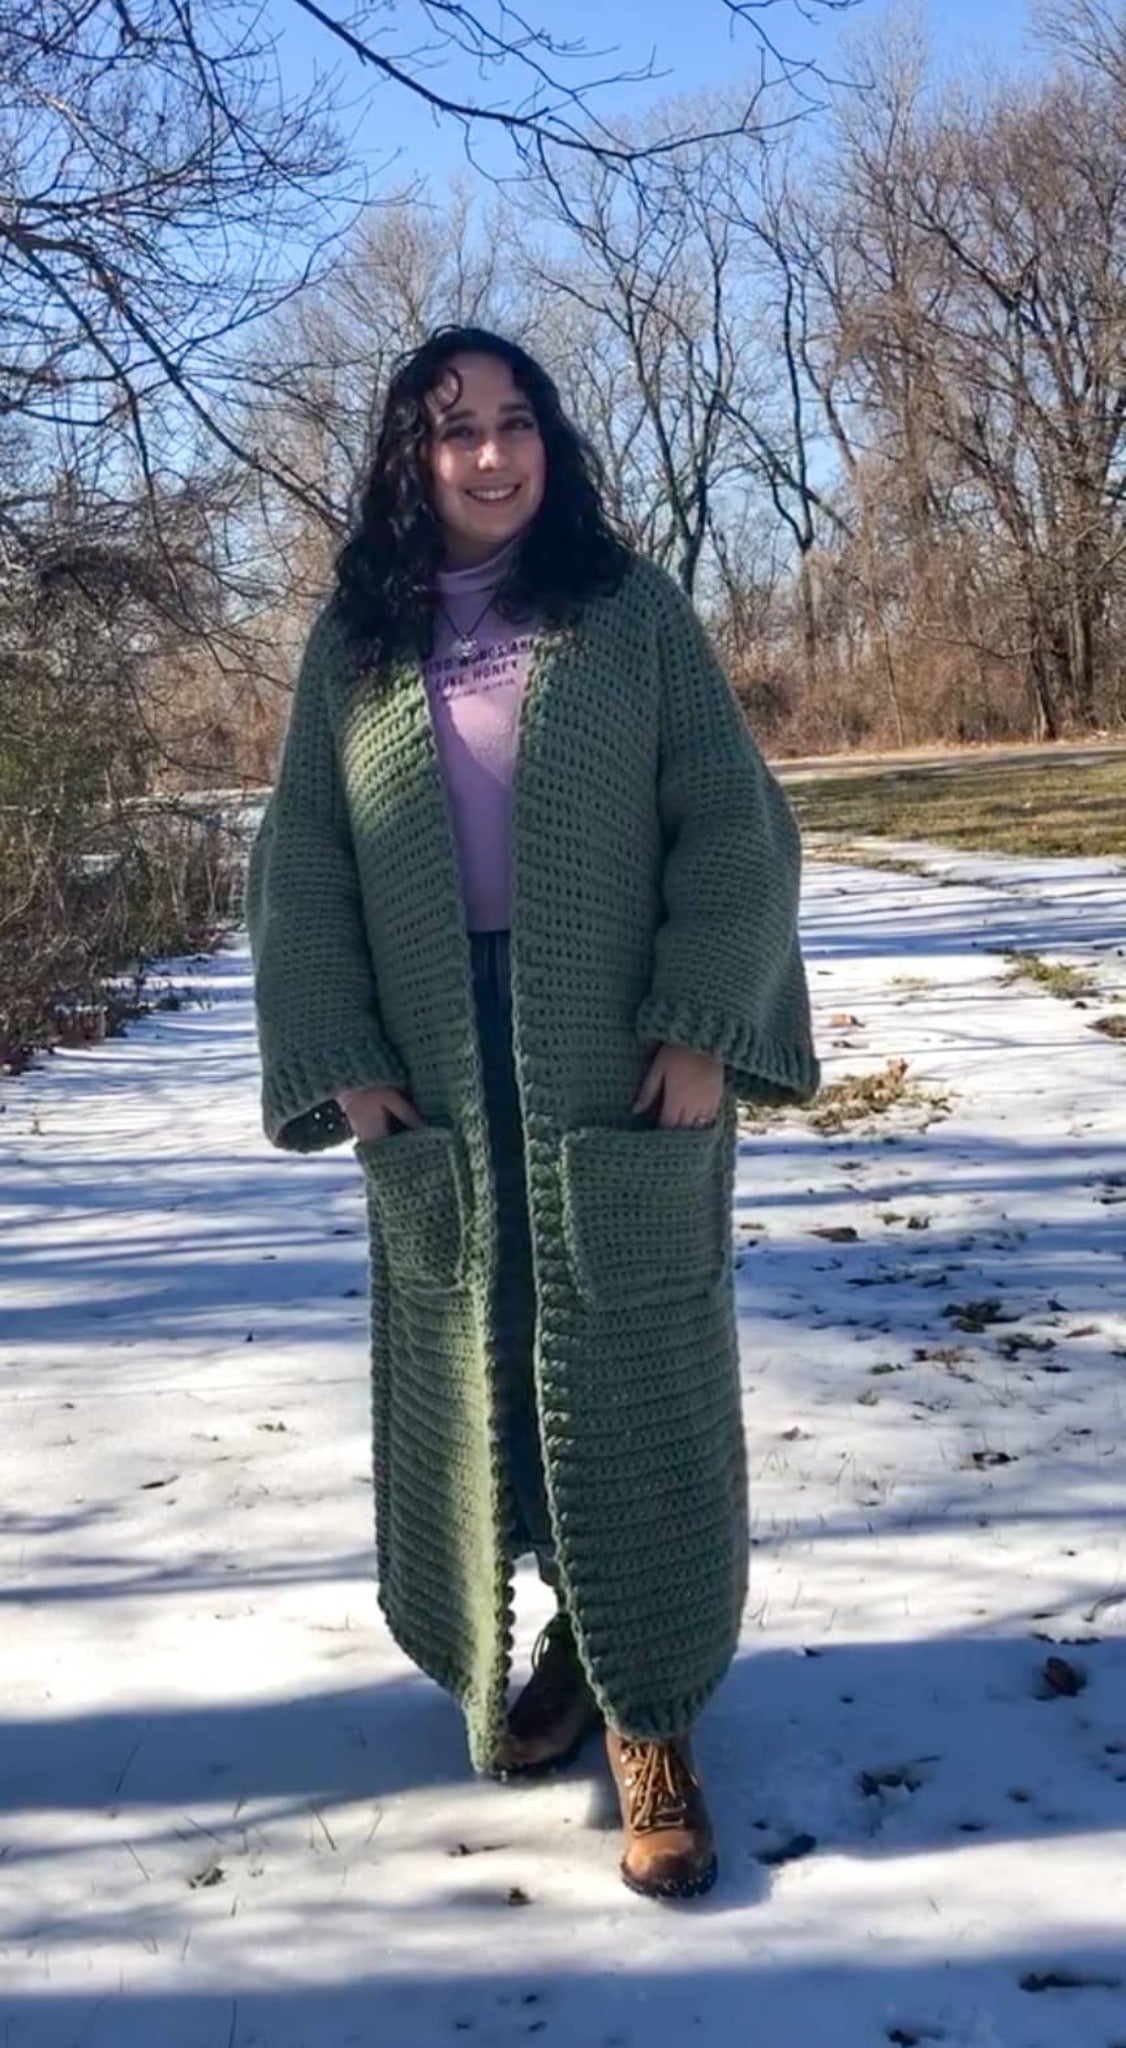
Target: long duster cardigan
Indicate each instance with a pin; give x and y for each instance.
(655, 877)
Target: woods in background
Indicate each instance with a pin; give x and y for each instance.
(862, 389)
(856, 361)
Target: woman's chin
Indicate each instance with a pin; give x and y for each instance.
(498, 524)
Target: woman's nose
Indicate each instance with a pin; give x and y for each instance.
(488, 454)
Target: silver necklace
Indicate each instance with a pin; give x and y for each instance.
(465, 644)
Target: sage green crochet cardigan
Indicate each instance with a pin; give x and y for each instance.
(655, 896)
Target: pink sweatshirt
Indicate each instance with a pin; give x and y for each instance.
(475, 707)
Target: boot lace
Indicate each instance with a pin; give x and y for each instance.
(661, 1785)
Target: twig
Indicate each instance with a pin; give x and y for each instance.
(324, 1824)
(128, 1761)
(137, 1861)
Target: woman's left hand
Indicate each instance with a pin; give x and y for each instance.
(689, 1084)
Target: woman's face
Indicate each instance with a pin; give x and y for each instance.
(485, 455)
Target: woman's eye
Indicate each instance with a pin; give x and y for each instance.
(523, 424)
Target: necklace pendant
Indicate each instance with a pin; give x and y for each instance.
(465, 648)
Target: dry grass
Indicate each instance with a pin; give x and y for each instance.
(1064, 807)
(857, 1098)
(1069, 983)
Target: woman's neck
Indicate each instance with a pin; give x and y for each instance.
(469, 554)
(462, 552)
(479, 574)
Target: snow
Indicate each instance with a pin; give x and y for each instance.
(233, 1816)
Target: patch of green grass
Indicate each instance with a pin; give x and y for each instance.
(1064, 807)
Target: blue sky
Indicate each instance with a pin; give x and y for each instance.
(692, 42)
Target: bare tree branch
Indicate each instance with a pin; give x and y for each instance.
(558, 114)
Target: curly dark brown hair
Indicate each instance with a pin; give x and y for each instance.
(569, 553)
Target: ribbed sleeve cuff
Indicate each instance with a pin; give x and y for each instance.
(765, 1068)
(299, 1109)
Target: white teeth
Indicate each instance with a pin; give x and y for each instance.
(494, 497)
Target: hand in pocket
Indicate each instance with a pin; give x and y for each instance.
(373, 1112)
(681, 1087)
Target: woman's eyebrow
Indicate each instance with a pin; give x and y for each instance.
(467, 412)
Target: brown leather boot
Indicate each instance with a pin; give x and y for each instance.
(670, 1848)
(551, 1719)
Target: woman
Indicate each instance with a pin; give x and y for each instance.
(523, 913)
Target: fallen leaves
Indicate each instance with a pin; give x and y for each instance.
(899, 1778)
(1063, 1679)
(975, 1316)
(1068, 1980)
(1023, 1340)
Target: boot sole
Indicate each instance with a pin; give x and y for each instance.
(685, 1888)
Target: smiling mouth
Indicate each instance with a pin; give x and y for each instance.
(493, 494)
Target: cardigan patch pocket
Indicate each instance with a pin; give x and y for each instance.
(644, 1212)
(415, 1194)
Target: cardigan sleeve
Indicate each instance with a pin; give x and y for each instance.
(319, 1028)
(728, 976)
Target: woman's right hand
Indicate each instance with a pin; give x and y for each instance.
(369, 1110)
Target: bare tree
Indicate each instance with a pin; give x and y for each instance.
(693, 319)
(1090, 33)
(966, 263)
(1027, 384)
(155, 176)
(779, 430)
(314, 375)
(547, 87)
(866, 284)
(644, 296)
(94, 625)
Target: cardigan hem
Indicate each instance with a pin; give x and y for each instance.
(299, 1108)
(763, 1069)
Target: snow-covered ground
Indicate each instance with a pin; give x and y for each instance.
(232, 1816)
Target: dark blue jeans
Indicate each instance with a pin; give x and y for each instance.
(514, 1301)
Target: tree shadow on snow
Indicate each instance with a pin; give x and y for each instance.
(506, 1997)
(868, 1748)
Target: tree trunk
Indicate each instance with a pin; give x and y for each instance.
(1039, 673)
(809, 620)
(1086, 607)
